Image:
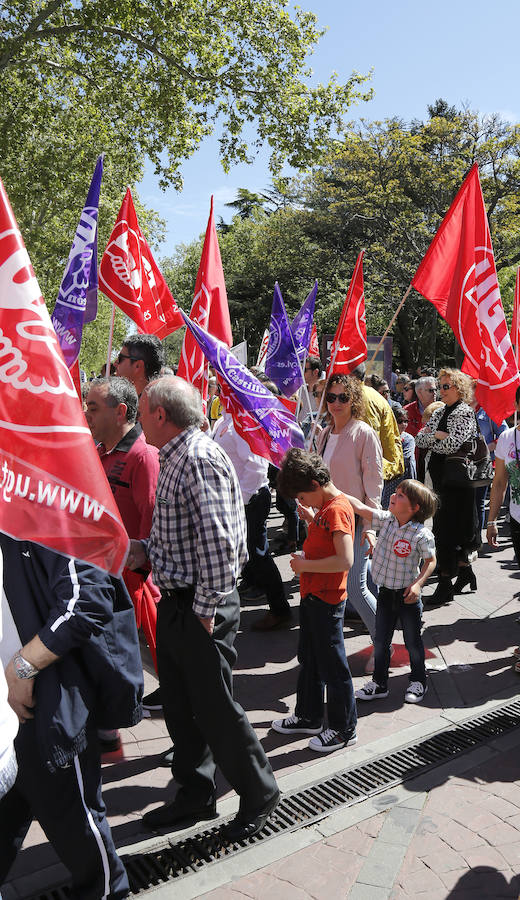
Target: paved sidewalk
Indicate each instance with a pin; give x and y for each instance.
(469, 643)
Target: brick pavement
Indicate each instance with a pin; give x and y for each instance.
(470, 641)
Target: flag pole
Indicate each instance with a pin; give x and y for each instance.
(330, 367)
(110, 337)
(394, 317)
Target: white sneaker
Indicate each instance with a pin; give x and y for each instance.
(371, 691)
(415, 692)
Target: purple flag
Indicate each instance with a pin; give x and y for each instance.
(77, 296)
(282, 364)
(301, 325)
(259, 417)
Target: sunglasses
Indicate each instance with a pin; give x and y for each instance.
(123, 356)
(341, 398)
(407, 389)
(445, 387)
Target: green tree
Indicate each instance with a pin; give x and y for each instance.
(151, 79)
(384, 186)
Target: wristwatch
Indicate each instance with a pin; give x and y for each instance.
(23, 668)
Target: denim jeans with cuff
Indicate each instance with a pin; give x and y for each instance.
(390, 609)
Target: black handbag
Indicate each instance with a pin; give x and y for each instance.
(469, 466)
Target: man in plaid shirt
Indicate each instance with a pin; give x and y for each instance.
(197, 548)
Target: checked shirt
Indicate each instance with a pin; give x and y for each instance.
(198, 534)
(399, 550)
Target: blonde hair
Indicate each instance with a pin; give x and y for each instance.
(428, 410)
(463, 383)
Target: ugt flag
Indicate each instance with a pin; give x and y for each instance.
(349, 347)
(52, 484)
(209, 309)
(301, 325)
(459, 277)
(262, 353)
(130, 277)
(282, 364)
(314, 347)
(259, 417)
(515, 322)
(77, 296)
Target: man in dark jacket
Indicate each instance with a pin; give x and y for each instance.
(72, 665)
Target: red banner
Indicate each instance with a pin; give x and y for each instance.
(515, 323)
(52, 485)
(459, 277)
(349, 347)
(130, 277)
(314, 347)
(209, 310)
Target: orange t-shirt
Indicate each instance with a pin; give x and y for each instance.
(336, 515)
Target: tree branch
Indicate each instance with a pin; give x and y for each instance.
(35, 23)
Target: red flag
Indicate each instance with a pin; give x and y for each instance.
(349, 347)
(130, 277)
(52, 484)
(459, 277)
(209, 310)
(314, 347)
(515, 324)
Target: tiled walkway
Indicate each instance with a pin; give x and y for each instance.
(432, 842)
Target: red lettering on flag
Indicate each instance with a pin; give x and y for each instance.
(52, 485)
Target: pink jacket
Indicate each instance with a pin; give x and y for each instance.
(357, 464)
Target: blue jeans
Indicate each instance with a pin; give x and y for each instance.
(323, 662)
(390, 608)
(359, 594)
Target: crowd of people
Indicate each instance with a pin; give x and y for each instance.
(371, 510)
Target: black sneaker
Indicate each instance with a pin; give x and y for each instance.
(371, 691)
(331, 740)
(153, 701)
(294, 725)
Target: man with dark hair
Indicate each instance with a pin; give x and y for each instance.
(140, 359)
(197, 549)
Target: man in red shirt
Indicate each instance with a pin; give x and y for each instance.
(132, 467)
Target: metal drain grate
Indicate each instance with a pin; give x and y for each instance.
(304, 807)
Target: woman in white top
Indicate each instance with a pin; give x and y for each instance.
(352, 451)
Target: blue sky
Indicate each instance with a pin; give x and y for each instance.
(461, 50)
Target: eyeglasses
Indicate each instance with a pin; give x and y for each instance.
(445, 387)
(340, 398)
(123, 356)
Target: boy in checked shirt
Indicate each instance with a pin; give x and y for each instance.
(404, 557)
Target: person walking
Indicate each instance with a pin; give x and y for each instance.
(197, 549)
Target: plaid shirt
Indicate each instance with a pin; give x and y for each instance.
(198, 534)
(399, 550)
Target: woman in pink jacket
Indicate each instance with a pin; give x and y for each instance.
(352, 451)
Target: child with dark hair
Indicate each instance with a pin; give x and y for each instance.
(323, 567)
(402, 545)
